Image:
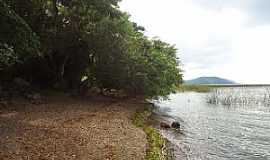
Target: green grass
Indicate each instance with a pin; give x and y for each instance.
(194, 88)
(155, 140)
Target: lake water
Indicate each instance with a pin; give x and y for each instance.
(235, 125)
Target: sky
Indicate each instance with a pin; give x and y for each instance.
(224, 38)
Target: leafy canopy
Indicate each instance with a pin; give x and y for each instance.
(69, 43)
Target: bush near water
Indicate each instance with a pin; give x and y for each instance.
(67, 44)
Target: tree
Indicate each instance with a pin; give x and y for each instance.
(7, 56)
(16, 33)
(61, 42)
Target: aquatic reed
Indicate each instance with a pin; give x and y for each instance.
(239, 96)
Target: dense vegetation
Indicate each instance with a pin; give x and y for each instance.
(70, 44)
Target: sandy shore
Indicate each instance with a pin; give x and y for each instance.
(66, 129)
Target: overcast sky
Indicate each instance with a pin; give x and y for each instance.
(225, 38)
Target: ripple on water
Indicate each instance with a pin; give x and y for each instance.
(218, 132)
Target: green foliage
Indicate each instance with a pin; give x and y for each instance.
(17, 33)
(156, 143)
(7, 56)
(86, 38)
(155, 140)
(155, 69)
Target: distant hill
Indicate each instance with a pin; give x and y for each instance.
(209, 80)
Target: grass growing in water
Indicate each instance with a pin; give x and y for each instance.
(155, 140)
(194, 88)
(239, 96)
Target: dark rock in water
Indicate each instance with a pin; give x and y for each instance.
(164, 125)
(175, 125)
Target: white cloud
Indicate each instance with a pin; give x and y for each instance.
(212, 41)
(251, 54)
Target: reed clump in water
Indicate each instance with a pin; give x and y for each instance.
(194, 88)
(239, 96)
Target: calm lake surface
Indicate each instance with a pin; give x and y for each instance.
(235, 125)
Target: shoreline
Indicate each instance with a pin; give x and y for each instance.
(175, 151)
(74, 129)
(159, 147)
(68, 128)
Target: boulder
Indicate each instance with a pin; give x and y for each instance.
(164, 125)
(175, 125)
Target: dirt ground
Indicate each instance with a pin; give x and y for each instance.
(70, 129)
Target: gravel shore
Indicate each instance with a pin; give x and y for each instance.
(65, 128)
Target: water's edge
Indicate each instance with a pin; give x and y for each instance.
(173, 151)
(235, 127)
(158, 145)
